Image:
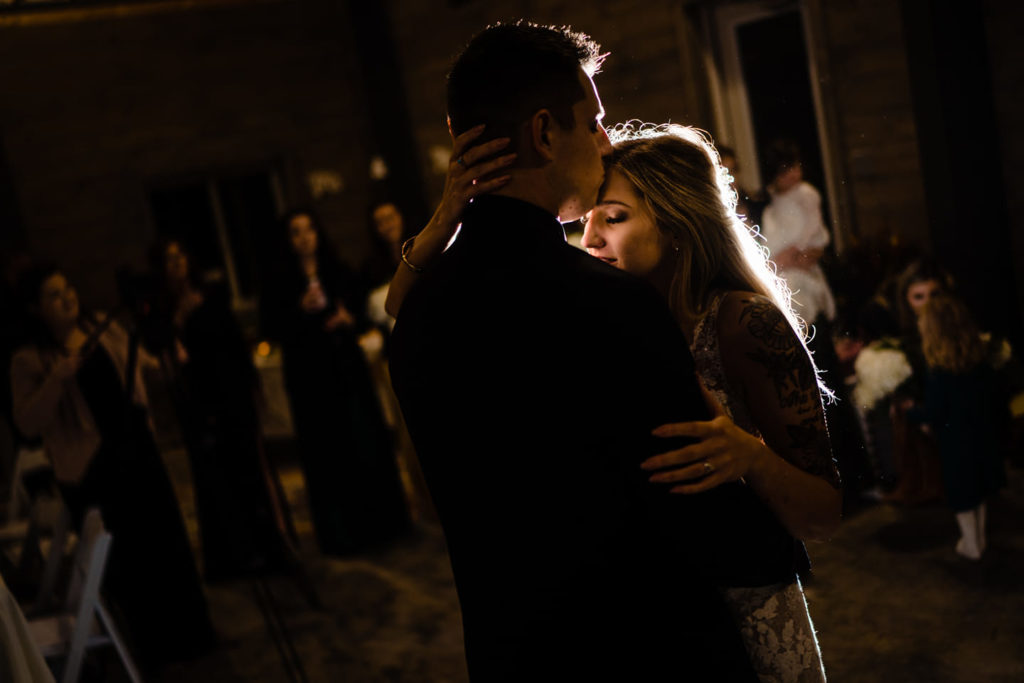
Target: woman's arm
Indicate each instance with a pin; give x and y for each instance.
(468, 171)
(35, 393)
(792, 469)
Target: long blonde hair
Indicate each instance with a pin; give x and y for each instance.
(950, 340)
(677, 173)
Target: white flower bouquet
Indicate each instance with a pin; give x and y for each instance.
(880, 368)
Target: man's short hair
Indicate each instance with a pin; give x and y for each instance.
(509, 71)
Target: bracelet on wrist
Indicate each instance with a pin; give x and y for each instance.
(406, 248)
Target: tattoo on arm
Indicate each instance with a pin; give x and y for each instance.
(791, 373)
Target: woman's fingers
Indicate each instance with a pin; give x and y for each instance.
(485, 186)
(693, 471)
(693, 429)
(462, 142)
(485, 150)
(493, 165)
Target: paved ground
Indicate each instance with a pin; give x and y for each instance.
(891, 600)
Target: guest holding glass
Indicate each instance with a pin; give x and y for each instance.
(314, 307)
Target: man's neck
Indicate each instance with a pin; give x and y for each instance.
(531, 187)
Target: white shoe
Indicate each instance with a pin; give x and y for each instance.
(965, 549)
(968, 545)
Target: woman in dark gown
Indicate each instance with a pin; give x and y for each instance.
(69, 387)
(214, 385)
(314, 307)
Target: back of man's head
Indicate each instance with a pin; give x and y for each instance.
(510, 71)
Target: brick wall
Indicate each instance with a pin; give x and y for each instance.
(94, 107)
(874, 120)
(645, 77)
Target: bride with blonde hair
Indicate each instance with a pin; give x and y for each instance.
(666, 213)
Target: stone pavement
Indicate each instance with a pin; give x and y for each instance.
(890, 599)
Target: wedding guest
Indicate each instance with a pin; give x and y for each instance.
(961, 409)
(69, 387)
(314, 307)
(919, 468)
(210, 374)
(388, 231)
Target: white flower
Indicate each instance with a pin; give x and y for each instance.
(879, 371)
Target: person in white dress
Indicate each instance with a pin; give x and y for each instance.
(795, 233)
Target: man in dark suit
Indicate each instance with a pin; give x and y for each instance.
(531, 375)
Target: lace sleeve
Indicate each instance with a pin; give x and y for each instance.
(766, 363)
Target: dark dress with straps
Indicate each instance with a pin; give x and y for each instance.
(151, 578)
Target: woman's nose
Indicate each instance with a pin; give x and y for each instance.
(591, 237)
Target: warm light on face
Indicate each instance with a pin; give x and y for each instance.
(621, 231)
(303, 235)
(58, 302)
(920, 293)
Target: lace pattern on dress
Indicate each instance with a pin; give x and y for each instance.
(773, 620)
(777, 631)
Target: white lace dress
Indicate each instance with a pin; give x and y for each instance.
(773, 620)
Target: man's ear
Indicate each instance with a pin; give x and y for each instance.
(542, 124)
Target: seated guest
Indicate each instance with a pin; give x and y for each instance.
(69, 386)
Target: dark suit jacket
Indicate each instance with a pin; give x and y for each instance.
(530, 375)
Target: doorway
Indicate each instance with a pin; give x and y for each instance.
(769, 91)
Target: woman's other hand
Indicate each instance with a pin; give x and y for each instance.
(723, 452)
(340, 318)
(314, 300)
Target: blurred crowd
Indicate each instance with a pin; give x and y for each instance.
(78, 384)
(928, 406)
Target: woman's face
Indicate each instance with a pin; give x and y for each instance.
(621, 231)
(920, 293)
(58, 303)
(303, 235)
(175, 263)
(387, 219)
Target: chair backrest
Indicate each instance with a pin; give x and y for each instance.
(83, 599)
(89, 562)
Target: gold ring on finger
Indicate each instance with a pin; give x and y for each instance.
(708, 467)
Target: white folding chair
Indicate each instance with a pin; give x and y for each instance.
(85, 622)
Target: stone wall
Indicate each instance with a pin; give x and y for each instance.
(96, 105)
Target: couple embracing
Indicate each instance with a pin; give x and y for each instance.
(607, 518)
